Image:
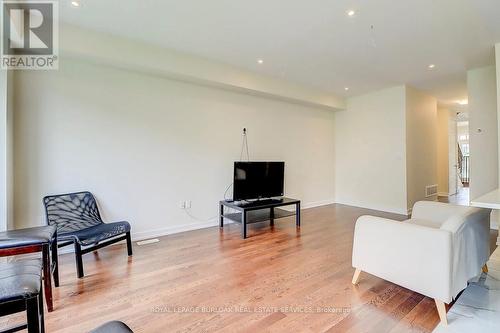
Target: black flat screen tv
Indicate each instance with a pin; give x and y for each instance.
(256, 180)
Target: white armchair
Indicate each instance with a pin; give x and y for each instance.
(434, 253)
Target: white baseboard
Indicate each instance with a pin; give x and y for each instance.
(142, 235)
(310, 205)
(202, 225)
(137, 236)
(443, 194)
(318, 203)
(374, 207)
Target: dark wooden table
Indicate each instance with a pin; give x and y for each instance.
(258, 211)
(24, 241)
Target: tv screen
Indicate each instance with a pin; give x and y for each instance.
(254, 180)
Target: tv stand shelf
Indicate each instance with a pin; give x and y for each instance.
(258, 211)
(260, 215)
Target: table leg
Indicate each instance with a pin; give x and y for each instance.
(41, 312)
(55, 261)
(297, 214)
(271, 216)
(32, 309)
(221, 216)
(47, 277)
(244, 224)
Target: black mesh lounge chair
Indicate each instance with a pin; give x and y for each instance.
(78, 222)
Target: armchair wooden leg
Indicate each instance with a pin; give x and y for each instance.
(129, 244)
(442, 311)
(78, 259)
(355, 278)
(485, 268)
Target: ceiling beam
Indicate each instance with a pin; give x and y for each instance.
(137, 56)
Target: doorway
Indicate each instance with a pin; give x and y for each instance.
(463, 152)
(453, 156)
(461, 170)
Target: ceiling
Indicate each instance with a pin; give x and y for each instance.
(315, 42)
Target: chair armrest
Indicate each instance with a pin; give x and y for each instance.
(413, 256)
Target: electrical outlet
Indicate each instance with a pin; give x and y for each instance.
(185, 204)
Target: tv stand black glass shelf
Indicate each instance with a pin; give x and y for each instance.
(258, 211)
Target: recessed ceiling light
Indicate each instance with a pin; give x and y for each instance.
(351, 12)
(260, 61)
(346, 88)
(431, 66)
(463, 102)
(75, 3)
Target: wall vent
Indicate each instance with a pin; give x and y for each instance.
(431, 190)
(148, 241)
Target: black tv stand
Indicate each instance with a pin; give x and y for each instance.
(258, 202)
(258, 211)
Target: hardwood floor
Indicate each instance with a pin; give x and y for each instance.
(278, 280)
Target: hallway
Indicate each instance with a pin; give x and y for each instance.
(461, 198)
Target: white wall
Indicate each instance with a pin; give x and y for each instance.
(6, 145)
(483, 135)
(3, 150)
(421, 144)
(143, 143)
(10, 151)
(497, 74)
(370, 165)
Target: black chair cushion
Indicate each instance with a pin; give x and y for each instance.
(20, 279)
(112, 327)
(97, 233)
(27, 236)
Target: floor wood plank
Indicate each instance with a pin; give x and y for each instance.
(280, 279)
